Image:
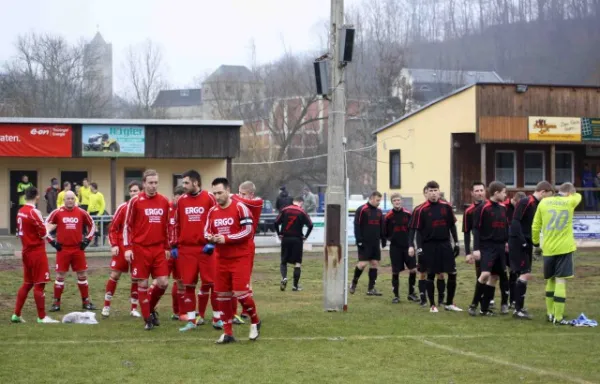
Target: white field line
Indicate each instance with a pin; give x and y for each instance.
(193, 339)
(493, 360)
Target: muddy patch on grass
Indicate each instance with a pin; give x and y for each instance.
(587, 271)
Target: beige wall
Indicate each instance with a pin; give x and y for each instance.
(424, 141)
(99, 171)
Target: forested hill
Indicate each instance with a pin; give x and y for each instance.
(550, 52)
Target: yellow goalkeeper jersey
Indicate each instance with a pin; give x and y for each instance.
(554, 220)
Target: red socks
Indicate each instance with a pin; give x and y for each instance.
(157, 293)
(40, 300)
(59, 286)
(21, 297)
(83, 286)
(174, 299)
(111, 287)
(203, 296)
(226, 314)
(250, 307)
(144, 302)
(134, 296)
(190, 302)
(234, 305)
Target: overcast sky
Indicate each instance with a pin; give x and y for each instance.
(196, 35)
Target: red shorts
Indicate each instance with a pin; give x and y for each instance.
(35, 267)
(173, 271)
(192, 262)
(71, 257)
(149, 261)
(119, 263)
(233, 275)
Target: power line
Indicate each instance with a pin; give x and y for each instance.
(304, 158)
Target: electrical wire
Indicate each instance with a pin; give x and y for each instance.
(357, 150)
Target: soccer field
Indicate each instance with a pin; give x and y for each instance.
(374, 342)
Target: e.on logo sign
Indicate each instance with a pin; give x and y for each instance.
(223, 222)
(40, 132)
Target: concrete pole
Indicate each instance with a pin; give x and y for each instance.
(335, 196)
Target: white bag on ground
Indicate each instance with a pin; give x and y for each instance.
(80, 318)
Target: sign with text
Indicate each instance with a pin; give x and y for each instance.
(113, 141)
(554, 128)
(32, 140)
(590, 129)
(586, 227)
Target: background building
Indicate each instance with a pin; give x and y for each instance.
(74, 149)
(516, 134)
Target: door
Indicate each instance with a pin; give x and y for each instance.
(74, 177)
(15, 179)
(591, 168)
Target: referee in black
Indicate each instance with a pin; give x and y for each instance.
(434, 222)
(292, 220)
(369, 233)
(490, 242)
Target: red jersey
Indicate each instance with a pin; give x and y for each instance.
(254, 205)
(190, 217)
(146, 221)
(70, 224)
(31, 228)
(115, 231)
(235, 224)
(171, 226)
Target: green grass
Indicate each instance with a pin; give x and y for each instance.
(374, 342)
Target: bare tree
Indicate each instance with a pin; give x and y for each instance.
(145, 77)
(51, 78)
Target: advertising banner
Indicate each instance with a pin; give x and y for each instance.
(35, 140)
(554, 128)
(590, 129)
(586, 227)
(113, 141)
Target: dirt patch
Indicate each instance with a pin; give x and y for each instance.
(9, 264)
(587, 271)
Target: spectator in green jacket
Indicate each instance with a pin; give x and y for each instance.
(21, 187)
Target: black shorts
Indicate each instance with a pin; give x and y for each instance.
(291, 250)
(438, 257)
(493, 258)
(560, 266)
(369, 252)
(399, 258)
(520, 257)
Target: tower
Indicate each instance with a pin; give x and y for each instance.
(99, 70)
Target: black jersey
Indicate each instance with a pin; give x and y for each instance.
(397, 226)
(292, 220)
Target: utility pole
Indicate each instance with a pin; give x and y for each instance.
(335, 271)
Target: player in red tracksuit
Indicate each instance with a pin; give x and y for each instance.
(32, 232)
(193, 262)
(229, 227)
(146, 242)
(69, 222)
(118, 264)
(255, 204)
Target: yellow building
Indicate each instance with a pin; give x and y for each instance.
(171, 147)
(514, 133)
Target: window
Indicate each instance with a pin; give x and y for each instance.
(564, 172)
(535, 169)
(184, 92)
(177, 180)
(395, 178)
(131, 175)
(506, 169)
